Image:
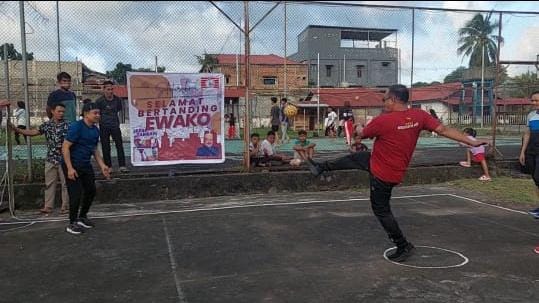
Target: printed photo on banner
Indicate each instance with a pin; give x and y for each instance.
(176, 118)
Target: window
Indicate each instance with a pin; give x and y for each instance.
(227, 79)
(270, 80)
(385, 64)
(328, 70)
(359, 70)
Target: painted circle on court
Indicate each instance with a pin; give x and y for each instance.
(430, 257)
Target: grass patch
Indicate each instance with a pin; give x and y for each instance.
(502, 188)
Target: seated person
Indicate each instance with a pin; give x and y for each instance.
(208, 149)
(357, 146)
(303, 149)
(269, 151)
(256, 155)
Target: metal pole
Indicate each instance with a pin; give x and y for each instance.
(285, 83)
(58, 35)
(10, 168)
(25, 83)
(344, 69)
(482, 80)
(156, 64)
(247, 113)
(494, 117)
(412, 69)
(318, 98)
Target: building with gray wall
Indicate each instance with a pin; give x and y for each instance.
(349, 56)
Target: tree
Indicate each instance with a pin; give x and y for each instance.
(475, 34)
(13, 54)
(523, 85)
(118, 74)
(207, 62)
(160, 69)
(423, 84)
(455, 75)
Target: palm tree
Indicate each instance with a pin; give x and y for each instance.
(477, 36)
(207, 62)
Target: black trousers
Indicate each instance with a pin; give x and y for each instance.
(380, 195)
(81, 192)
(116, 134)
(532, 166)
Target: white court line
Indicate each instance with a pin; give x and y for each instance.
(151, 213)
(466, 260)
(488, 204)
(181, 297)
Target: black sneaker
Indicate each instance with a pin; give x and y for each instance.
(74, 229)
(314, 167)
(402, 253)
(84, 222)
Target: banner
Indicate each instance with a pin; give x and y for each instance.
(176, 118)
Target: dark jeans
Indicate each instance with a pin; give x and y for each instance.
(105, 134)
(83, 186)
(532, 166)
(380, 193)
(17, 134)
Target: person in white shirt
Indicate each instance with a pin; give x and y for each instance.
(268, 150)
(20, 116)
(331, 123)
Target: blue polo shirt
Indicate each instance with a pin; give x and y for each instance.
(84, 139)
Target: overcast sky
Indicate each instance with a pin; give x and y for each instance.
(100, 34)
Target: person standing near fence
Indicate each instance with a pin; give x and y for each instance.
(20, 117)
(55, 131)
(285, 121)
(65, 96)
(109, 125)
(529, 152)
(275, 116)
(78, 147)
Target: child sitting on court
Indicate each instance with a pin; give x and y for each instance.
(475, 154)
(255, 151)
(303, 149)
(357, 146)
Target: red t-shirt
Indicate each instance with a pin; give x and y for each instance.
(396, 136)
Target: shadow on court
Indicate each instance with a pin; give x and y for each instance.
(301, 247)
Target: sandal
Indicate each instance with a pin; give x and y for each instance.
(464, 164)
(64, 211)
(484, 178)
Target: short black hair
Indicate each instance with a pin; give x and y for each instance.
(89, 107)
(534, 93)
(284, 99)
(63, 75)
(470, 131)
(255, 135)
(108, 82)
(270, 133)
(274, 99)
(302, 132)
(400, 92)
(55, 105)
(21, 104)
(87, 100)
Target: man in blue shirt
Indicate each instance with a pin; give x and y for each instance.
(64, 96)
(208, 149)
(79, 146)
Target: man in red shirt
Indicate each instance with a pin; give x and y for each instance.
(396, 132)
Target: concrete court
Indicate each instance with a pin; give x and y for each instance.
(298, 247)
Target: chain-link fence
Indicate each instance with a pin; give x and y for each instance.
(317, 55)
